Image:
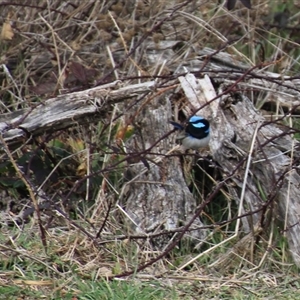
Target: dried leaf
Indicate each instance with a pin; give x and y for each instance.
(75, 46)
(7, 31)
(124, 132)
(79, 71)
(82, 169)
(34, 282)
(45, 88)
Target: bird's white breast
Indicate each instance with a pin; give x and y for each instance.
(193, 143)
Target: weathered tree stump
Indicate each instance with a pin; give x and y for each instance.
(256, 156)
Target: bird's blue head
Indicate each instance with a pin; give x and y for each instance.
(197, 127)
(195, 119)
(195, 134)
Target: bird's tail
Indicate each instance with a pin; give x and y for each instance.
(177, 125)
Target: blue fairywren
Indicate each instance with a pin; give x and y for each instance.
(195, 134)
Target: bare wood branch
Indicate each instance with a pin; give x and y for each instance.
(67, 110)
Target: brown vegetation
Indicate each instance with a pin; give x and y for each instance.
(88, 173)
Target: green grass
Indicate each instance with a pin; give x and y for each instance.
(261, 288)
(118, 290)
(98, 290)
(15, 292)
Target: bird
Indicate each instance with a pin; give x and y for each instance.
(196, 133)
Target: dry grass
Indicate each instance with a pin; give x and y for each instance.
(55, 47)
